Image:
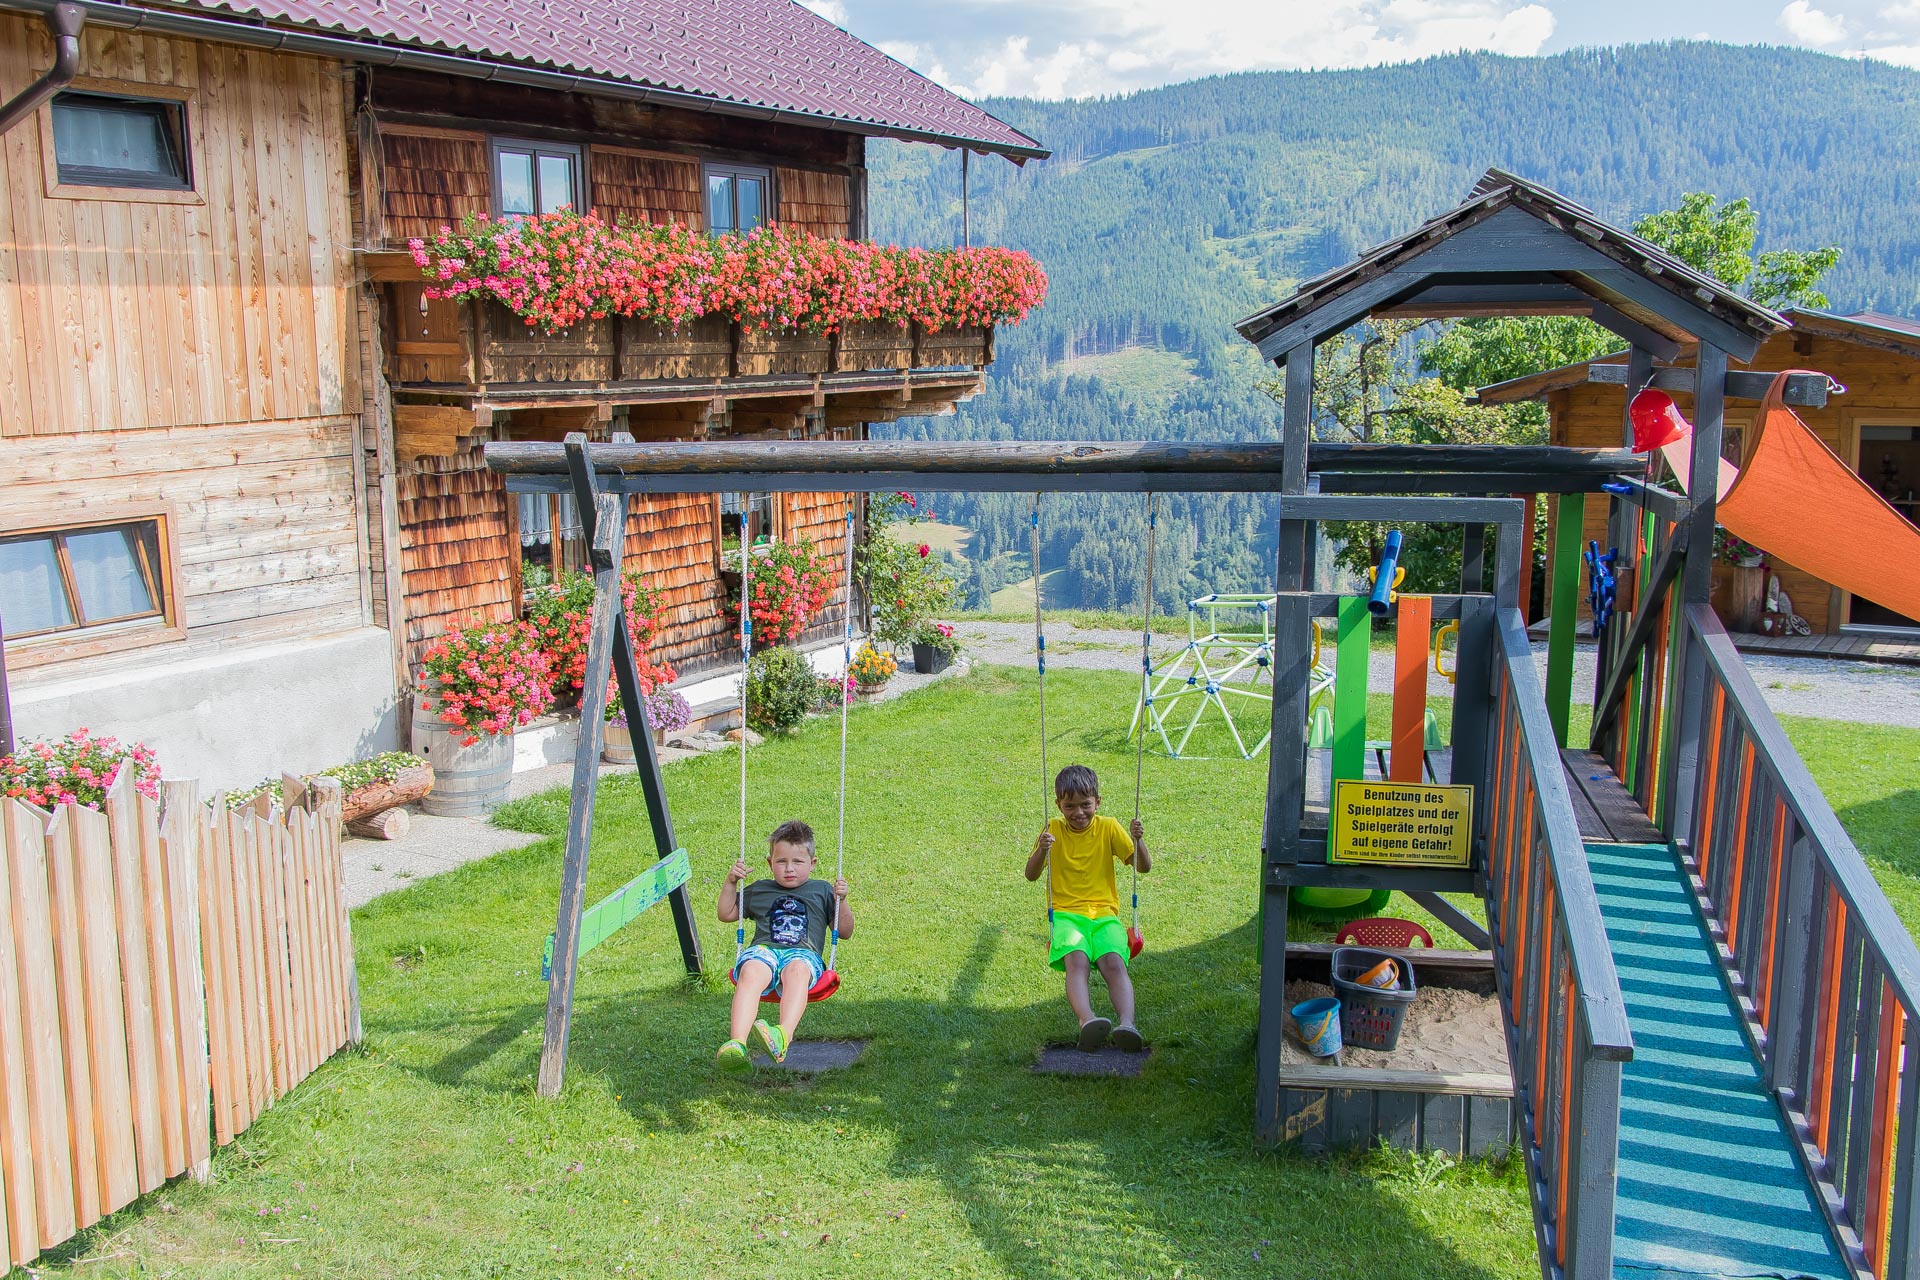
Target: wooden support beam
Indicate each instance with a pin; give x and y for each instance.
(429, 430)
(1806, 389)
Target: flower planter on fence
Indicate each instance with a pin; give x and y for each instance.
(874, 344)
(410, 784)
(469, 781)
(931, 660)
(966, 345)
(511, 350)
(773, 351)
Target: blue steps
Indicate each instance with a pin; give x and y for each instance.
(1709, 1185)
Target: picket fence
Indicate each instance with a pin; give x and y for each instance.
(165, 975)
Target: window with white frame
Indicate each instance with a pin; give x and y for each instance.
(535, 177)
(738, 197)
(77, 579)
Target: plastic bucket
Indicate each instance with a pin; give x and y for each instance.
(1319, 1023)
(1370, 1016)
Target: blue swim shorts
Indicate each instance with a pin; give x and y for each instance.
(778, 958)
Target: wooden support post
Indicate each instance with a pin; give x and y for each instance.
(607, 545)
(1527, 518)
(1286, 745)
(1688, 662)
(1564, 620)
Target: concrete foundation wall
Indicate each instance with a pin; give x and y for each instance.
(233, 718)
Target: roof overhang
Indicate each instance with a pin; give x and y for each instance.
(1514, 248)
(369, 51)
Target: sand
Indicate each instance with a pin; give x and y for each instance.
(1445, 1030)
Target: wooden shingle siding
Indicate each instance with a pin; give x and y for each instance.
(818, 202)
(671, 540)
(641, 186)
(456, 550)
(226, 304)
(432, 179)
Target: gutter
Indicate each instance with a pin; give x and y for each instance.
(379, 53)
(65, 22)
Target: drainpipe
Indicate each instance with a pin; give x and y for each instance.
(65, 22)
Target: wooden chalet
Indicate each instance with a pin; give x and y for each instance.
(244, 448)
(1874, 426)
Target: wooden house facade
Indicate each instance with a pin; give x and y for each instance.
(1873, 425)
(244, 448)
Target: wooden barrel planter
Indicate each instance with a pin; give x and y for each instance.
(874, 344)
(868, 692)
(764, 351)
(616, 744)
(700, 348)
(468, 782)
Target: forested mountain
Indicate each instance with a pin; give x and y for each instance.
(1168, 214)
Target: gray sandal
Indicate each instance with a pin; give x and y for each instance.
(1126, 1037)
(1093, 1033)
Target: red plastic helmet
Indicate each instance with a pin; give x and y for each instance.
(1656, 420)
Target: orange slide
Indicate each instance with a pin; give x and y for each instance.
(1797, 501)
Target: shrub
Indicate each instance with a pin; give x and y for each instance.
(780, 690)
(77, 769)
(486, 679)
(907, 586)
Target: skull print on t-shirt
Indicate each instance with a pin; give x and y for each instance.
(787, 921)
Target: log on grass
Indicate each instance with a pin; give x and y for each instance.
(407, 786)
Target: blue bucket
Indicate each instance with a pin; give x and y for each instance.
(1319, 1023)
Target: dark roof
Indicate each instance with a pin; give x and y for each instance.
(1496, 193)
(1867, 328)
(753, 57)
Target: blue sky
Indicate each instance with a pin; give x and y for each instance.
(1076, 48)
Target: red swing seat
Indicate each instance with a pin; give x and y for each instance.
(823, 988)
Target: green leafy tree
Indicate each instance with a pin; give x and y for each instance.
(1719, 239)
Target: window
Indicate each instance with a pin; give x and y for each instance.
(535, 177)
(736, 198)
(550, 533)
(104, 141)
(70, 579)
(760, 520)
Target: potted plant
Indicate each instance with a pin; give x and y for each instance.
(934, 647)
(1742, 592)
(871, 671)
(668, 711)
(787, 583)
(907, 585)
(478, 682)
(560, 615)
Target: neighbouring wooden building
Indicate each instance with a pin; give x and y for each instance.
(1873, 425)
(243, 447)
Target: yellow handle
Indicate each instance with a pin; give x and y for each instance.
(1316, 641)
(1439, 647)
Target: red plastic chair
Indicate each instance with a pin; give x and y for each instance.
(1382, 931)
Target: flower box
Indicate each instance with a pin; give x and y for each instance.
(511, 350)
(966, 345)
(700, 348)
(407, 786)
(874, 344)
(765, 351)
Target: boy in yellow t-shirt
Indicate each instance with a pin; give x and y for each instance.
(1078, 849)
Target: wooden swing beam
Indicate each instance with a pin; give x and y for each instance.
(878, 466)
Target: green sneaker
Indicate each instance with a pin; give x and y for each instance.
(773, 1037)
(733, 1057)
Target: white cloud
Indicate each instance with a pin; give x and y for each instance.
(1112, 46)
(834, 11)
(1808, 25)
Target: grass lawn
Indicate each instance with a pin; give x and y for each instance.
(428, 1155)
(938, 1155)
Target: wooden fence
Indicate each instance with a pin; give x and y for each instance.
(163, 978)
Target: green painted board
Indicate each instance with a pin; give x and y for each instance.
(621, 907)
(1354, 633)
(1569, 526)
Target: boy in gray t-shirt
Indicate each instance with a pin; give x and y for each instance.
(792, 913)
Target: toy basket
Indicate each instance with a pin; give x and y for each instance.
(1369, 1017)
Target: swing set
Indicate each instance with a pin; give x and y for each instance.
(602, 478)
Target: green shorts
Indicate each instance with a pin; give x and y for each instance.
(1104, 936)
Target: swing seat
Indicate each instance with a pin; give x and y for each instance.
(823, 988)
(1135, 944)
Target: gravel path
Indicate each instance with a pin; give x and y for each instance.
(1861, 692)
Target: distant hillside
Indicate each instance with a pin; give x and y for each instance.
(1168, 214)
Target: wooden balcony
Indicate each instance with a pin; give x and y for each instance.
(479, 355)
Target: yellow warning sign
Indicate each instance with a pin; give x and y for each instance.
(1402, 824)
